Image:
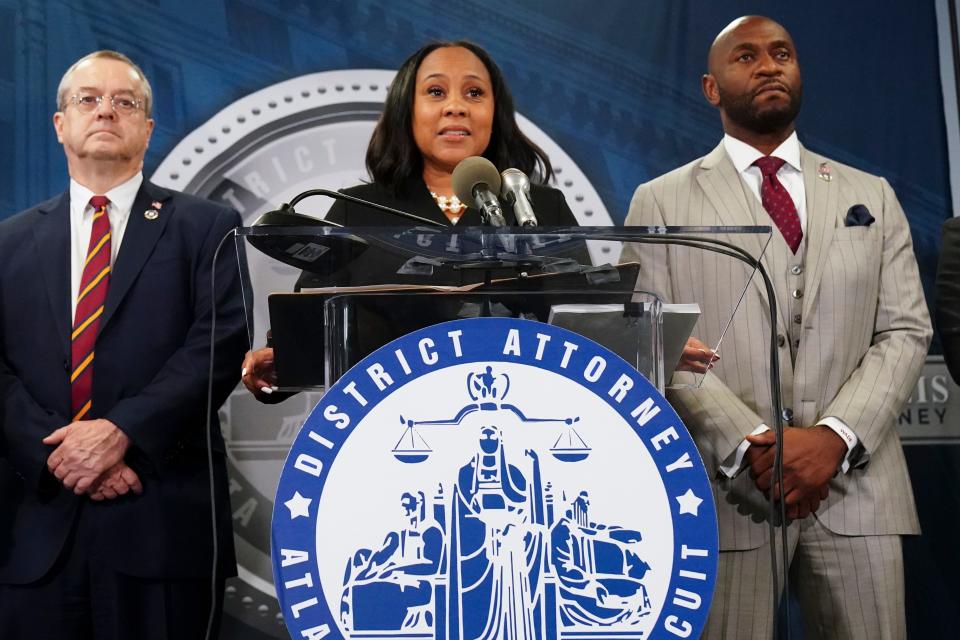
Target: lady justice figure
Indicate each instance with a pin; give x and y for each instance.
(495, 582)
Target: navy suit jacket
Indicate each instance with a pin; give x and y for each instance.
(150, 378)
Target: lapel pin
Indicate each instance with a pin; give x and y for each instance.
(824, 172)
(151, 214)
(156, 204)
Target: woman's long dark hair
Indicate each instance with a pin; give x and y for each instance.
(393, 156)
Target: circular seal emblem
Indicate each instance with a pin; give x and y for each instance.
(494, 478)
(258, 152)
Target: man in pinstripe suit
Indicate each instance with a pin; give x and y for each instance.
(853, 331)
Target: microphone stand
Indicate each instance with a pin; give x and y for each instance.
(337, 195)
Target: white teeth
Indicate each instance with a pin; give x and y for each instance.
(455, 133)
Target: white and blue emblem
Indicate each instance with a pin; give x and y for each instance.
(494, 478)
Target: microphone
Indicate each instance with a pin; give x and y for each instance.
(516, 191)
(476, 179)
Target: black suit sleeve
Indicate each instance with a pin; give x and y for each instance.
(31, 422)
(948, 296)
(552, 210)
(558, 212)
(24, 420)
(337, 212)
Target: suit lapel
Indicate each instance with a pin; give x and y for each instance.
(139, 239)
(725, 190)
(52, 238)
(821, 205)
(418, 201)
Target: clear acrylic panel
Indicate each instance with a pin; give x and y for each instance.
(360, 287)
(330, 295)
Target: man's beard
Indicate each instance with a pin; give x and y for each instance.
(742, 110)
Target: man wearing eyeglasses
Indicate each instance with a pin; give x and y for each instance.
(105, 342)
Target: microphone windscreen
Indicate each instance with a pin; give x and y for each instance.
(471, 172)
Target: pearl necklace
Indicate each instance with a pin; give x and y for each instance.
(450, 205)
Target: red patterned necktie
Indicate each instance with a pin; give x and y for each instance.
(90, 300)
(778, 202)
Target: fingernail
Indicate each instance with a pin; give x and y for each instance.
(266, 390)
(243, 372)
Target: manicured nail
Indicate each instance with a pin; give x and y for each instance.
(266, 390)
(243, 372)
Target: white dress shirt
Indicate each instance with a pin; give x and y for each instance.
(790, 176)
(81, 226)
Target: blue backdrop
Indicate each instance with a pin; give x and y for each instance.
(615, 82)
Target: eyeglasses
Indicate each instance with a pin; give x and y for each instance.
(123, 105)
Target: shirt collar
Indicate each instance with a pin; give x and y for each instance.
(121, 196)
(743, 155)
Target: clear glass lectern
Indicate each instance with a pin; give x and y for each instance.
(328, 296)
(324, 297)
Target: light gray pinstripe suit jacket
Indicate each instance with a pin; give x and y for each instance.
(863, 334)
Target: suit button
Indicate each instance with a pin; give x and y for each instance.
(796, 269)
(787, 414)
(781, 340)
(797, 319)
(797, 294)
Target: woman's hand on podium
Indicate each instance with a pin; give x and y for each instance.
(697, 357)
(258, 374)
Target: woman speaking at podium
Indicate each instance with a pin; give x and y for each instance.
(448, 102)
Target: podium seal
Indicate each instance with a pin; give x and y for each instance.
(494, 478)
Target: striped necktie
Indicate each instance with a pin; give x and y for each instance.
(90, 300)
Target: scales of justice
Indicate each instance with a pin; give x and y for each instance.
(487, 392)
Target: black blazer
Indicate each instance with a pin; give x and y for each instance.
(150, 379)
(414, 197)
(377, 320)
(948, 296)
